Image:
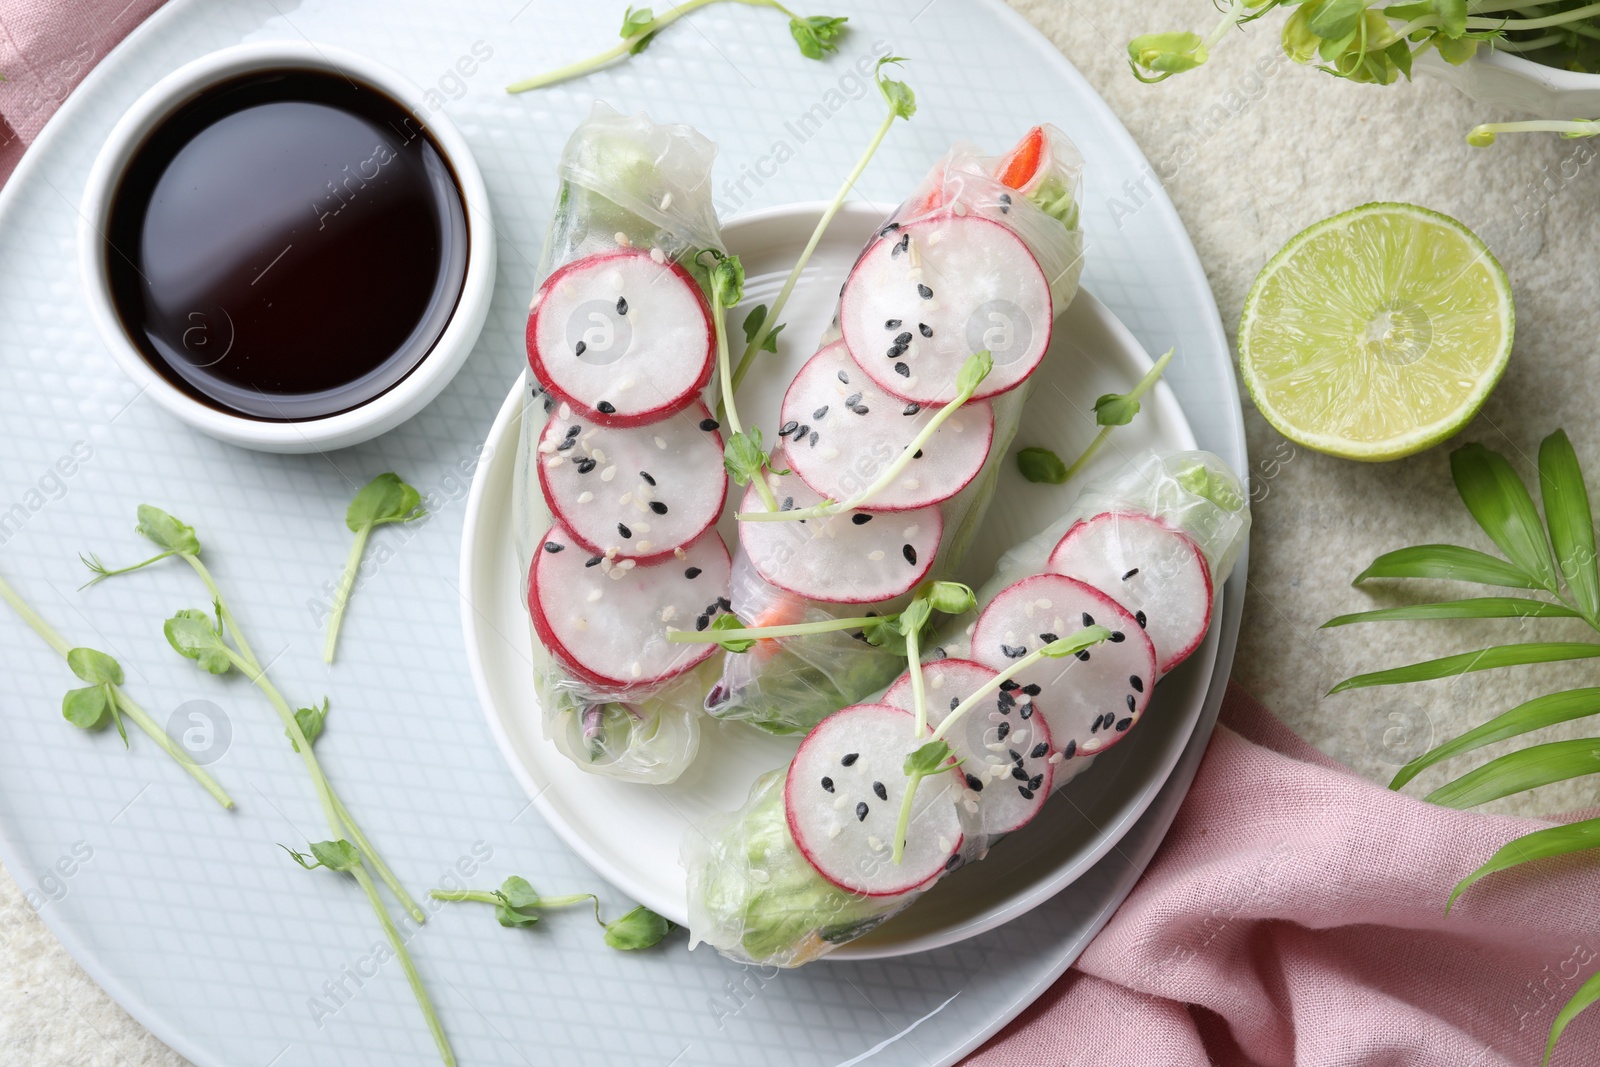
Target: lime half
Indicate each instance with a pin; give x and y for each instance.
(1376, 333)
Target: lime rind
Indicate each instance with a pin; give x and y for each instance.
(1376, 333)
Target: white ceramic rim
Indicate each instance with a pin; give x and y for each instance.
(382, 413)
(1002, 912)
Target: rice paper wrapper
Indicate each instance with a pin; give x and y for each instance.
(796, 682)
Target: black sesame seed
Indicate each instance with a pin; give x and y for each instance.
(940, 653)
(1007, 686)
(1027, 794)
(1095, 727)
(1088, 620)
(905, 242)
(860, 518)
(903, 339)
(1039, 750)
(1139, 618)
(787, 505)
(892, 324)
(917, 454)
(902, 370)
(572, 431)
(788, 428)
(1001, 731)
(1036, 781)
(709, 424)
(1048, 637)
(1019, 774)
(801, 431)
(911, 408)
(1130, 574)
(622, 305)
(909, 553)
(658, 507)
(1124, 724)
(1117, 637)
(861, 812)
(860, 409)
(549, 403)
(551, 546)
(1070, 751)
(924, 292)
(813, 439)
(887, 230)
(955, 702)
(1027, 711)
(852, 400)
(877, 787)
(1032, 689)
(692, 573)
(895, 351)
(624, 531)
(953, 862)
(1016, 757)
(646, 476)
(820, 413)
(925, 329)
(1005, 198)
(724, 603)
(827, 783)
(566, 444)
(593, 561)
(843, 377)
(580, 349)
(1013, 651)
(1137, 683)
(1005, 702)
(702, 622)
(605, 407)
(974, 783)
(1082, 654)
(850, 758)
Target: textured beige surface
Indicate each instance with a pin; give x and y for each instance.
(1253, 149)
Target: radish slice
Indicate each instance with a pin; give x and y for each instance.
(1154, 571)
(854, 557)
(931, 293)
(637, 492)
(842, 799)
(1004, 747)
(1089, 701)
(841, 431)
(607, 621)
(622, 338)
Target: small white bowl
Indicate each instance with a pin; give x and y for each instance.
(1501, 79)
(378, 415)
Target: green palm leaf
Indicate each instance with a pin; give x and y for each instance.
(1524, 718)
(1517, 771)
(1587, 994)
(1484, 659)
(1566, 512)
(1500, 502)
(1483, 607)
(1451, 562)
(1539, 845)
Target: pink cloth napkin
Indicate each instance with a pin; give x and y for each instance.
(46, 48)
(1295, 915)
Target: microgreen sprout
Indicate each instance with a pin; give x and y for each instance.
(727, 631)
(205, 637)
(932, 755)
(1110, 411)
(972, 374)
(517, 905)
(385, 499)
(762, 337)
(814, 35)
(1484, 134)
(104, 697)
(743, 454)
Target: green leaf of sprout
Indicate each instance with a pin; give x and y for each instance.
(1524, 769)
(927, 758)
(915, 616)
(730, 621)
(1115, 409)
(383, 500)
(743, 456)
(1450, 562)
(897, 94)
(1336, 19)
(1500, 502)
(639, 928)
(338, 855)
(166, 531)
(511, 918)
(1531, 715)
(636, 21)
(193, 634)
(1041, 465)
(951, 598)
(973, 372)
(1087, 637)
(727, 281)
(1202, 481)
(1165, 54)
(517, 893)
(88, 708)
(817, 35)
(882, 631)
(1571, 523)
(310, 721)
(93, 667)
(752, 325)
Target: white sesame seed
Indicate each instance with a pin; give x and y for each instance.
(833, 831)
(1055, 757)
(910, 483)
(565, 411)
(875, 842)
(955, 424)
(608, 474)
(666, 202)
(840, 803)
(621, 239)
(912, 530)
(1027, 609)
(661, 444)
(875, 555)
(585, 496)
(555, 461)
(547, 447)
(680, 553)
(615, 279)
(960, 208)
(658, 255)
(944, 843)
(829, 452)
(636, 670)
(625, 499)
(936, 682)
(599, 456)
(669, 613)
(581, 624)
(645, 546)
(626, 383)
(594, 594)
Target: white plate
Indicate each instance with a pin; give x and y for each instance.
(191, 917)
(630, 833)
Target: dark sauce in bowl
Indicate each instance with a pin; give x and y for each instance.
(288, 245)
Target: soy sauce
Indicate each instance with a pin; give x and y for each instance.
(288, 245)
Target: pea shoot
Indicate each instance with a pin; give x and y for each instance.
(815, 35)
(517, 906)
(1110, 411)
(385, 499)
